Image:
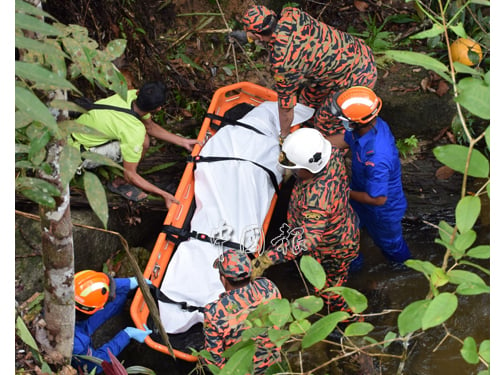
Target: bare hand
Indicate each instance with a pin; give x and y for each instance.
(188, 143)
(169, 200)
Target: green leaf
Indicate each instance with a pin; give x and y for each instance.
(469, 351)
(356, 300)
(322, 328)
(455, 157)
(140, 370)
(358, 329)
(445, 231)
(440, 309)
(241, 362)
(467, 212)
(459, 30)
(24, 334)
(313, 271)
(438, 277)
(474, 95)
(415, 58)
(434, 31)
(115, 48)
(484, 350)
(468, 282)
(280, 311)
(306, 306)
(299, 327)
(464, 241)
(461, 68)
(479, 252)
(278, 336)
(410, 318)
(27, 22)
(70, 160)
(487, 136)
(31, 44)
(388, 338)
(100, 159)
(42, 78)
(96, 196)
(424, 266)
(29, 103)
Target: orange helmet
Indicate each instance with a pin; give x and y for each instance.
(92, 291)
(259, 19)
(357, 104)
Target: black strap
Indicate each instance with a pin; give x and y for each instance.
(227, 121)
(199, 159)
(160, 296)
(113, 108)
(179, 235)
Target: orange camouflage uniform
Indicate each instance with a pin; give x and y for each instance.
(323, 60)
(224, 322)
(321, 222)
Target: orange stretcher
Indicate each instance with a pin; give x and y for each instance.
(223, 100)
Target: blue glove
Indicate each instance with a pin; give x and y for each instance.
(138, 334)
(134, 284)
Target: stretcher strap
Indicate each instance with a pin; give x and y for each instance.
(160, 296)
(177, 235)
(227, 121)
(199, 159)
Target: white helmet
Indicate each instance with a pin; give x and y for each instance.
(305, 148)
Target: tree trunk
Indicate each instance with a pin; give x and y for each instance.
(58, 261)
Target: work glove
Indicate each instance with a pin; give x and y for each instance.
(259, 265)
(134, 283)
(239, 35)
(138, 334)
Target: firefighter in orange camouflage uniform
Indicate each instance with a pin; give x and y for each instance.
(224, 319)
(320, 220)
(310, 61)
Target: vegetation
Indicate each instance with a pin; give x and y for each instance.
(52, 56)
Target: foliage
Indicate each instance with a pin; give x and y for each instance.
(407, 146)
(42, 75)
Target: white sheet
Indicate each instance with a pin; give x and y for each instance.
(232, 201)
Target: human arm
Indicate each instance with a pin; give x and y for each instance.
(365, 198)
(286, 119)
(337, 140)
(155, 130)
(131, 176)
(214, 342)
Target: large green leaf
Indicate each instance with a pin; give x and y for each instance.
(27, 22)
(474, 95)
(280, 311)
(299, 327)
(410, 318)
(455, 157)
(24, 334)
(240, 362)
(45, 48)
(356, 301)
(70, 161)
(313, 271)
(464, 240)
(42, 78)
(306, 306)
(440, 309)
(469, 351)
(278, 336)
(29, 103)
(467, 212)
(358, 329)
(468, 282)
(479, 252)
(424, 266)
(96, 195)
(322, 328)
(415, 58)
(436, 30)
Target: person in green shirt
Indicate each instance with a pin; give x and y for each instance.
(125, 137)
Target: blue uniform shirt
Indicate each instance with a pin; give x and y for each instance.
(376, 168)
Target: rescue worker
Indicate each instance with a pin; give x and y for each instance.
(310, 61)
(126, 137)
(224, 319)
(99, 297)
(320, 220)
(376, 189)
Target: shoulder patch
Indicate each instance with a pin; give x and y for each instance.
(311, 215)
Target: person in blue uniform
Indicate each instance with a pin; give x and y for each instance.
(376, 190)
(98, 298)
